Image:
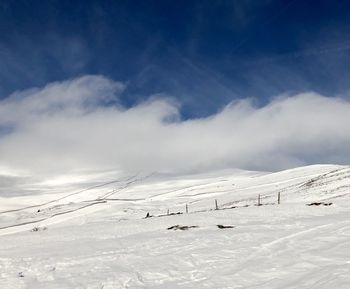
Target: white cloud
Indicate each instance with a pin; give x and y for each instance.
(68, 127)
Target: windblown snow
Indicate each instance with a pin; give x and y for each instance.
(216, 230)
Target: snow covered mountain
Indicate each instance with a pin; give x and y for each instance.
(217, 230)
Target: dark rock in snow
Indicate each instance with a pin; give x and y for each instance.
(224, 227)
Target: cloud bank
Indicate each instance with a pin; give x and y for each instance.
(78, 125)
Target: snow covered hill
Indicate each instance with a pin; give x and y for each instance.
(204, 231)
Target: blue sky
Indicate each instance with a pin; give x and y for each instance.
(172, 86)
(203, 53)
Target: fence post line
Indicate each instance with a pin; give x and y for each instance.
(216, 205)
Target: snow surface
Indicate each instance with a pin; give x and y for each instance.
(99, 237)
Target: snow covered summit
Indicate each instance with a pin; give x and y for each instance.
(216, 230)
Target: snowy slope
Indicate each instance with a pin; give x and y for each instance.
(99, 238)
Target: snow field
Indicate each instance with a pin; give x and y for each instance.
(112, 245)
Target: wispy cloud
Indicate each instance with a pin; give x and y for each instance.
(78, 125)
(28, 62)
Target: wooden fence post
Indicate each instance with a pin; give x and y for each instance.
(259, 201)
(216, 205)
(186, 209)
(167, 212)
(279, 198)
